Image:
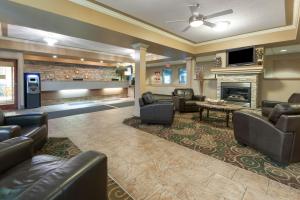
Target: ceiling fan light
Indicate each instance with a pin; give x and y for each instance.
(196, 23)
(221, 26)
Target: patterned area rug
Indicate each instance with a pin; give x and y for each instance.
(212, 137)
(64, 148)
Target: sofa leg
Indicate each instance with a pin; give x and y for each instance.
(242, 144)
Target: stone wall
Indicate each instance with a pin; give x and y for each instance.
(62, 71)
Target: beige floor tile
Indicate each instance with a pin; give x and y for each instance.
(149, 167)
(225, 187)
(252, 194)
(221, 168)
(278, 190)
(252, 180)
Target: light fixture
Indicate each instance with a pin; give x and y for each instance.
(132, 55)
(221, 26)
(283, 50)
(101, 61)
(54, 56)
(195, 21)
(82, 59)
(50, 41)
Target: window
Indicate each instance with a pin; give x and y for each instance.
(167, 76)
(182, 75)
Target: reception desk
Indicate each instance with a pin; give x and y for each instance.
(73, 85)
(56, 92)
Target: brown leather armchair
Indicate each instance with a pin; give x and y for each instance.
(45, 177)
(185, 100)
(267, 106)
(32, 125)
(154, 111)
(277, 136)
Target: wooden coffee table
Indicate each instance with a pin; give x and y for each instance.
(226, 108)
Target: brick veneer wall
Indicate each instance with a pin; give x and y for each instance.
(60, 71)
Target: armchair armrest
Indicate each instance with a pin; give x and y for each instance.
(199, 97)
(15, 151)
(179, 103)
(27, 119)
(270, 104)
(255, 131)
(82, 177)
(7, 132)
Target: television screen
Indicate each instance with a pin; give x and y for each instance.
(241, 56)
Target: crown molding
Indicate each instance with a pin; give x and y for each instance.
(123, 17)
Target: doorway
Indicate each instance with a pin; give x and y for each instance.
(8, 84)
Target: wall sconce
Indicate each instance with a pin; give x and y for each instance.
(67, 76)
(76, 71)
(86, 76)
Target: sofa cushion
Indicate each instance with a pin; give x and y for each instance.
(191, 103)
(283, 109)
(21, 177)
(188, 95)
(1, 118)
(148, 98)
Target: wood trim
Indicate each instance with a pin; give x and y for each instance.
(289, 5)
(35, 48)
(66, 60)
(15, 68)
(238, 70)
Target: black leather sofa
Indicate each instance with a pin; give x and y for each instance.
(153, 111)
(33, 125)
(185, 100)
(267, 106)
(44, 177)
(277, 136)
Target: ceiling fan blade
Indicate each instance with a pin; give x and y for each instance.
(186, 28)
(211, 25)
(218, 14)
(175, 21)
(194, 9)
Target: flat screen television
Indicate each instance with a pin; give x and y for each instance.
(241, 56)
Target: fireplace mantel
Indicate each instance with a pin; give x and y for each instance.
(254, 69)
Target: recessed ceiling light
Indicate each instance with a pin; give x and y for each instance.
(54, 56)
(82, 59)
(50, 41)
(221, 26)
(283, 50)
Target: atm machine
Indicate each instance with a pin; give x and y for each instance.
(32, 90)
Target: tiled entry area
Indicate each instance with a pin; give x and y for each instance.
(149, 167)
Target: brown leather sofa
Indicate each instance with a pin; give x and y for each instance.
(267, 106)
(33, 125)
(185, 100)
(44, 177)
(153, 111)
(277, 136)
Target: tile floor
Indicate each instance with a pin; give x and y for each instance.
(151, 168)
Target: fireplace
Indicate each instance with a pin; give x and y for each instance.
(236, 92)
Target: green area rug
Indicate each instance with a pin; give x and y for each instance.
(65, 148)
(212, 137)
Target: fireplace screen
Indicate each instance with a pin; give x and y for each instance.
(236, 92)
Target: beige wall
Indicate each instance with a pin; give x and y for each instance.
(165, 89)
(279, 90)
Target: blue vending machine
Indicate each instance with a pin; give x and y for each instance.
(32, 90)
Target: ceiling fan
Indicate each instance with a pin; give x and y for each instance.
(197, 19)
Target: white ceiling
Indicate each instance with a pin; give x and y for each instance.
(286, 50)
(29, 34)
(249, 15)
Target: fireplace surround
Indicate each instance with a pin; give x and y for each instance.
(236, 92)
